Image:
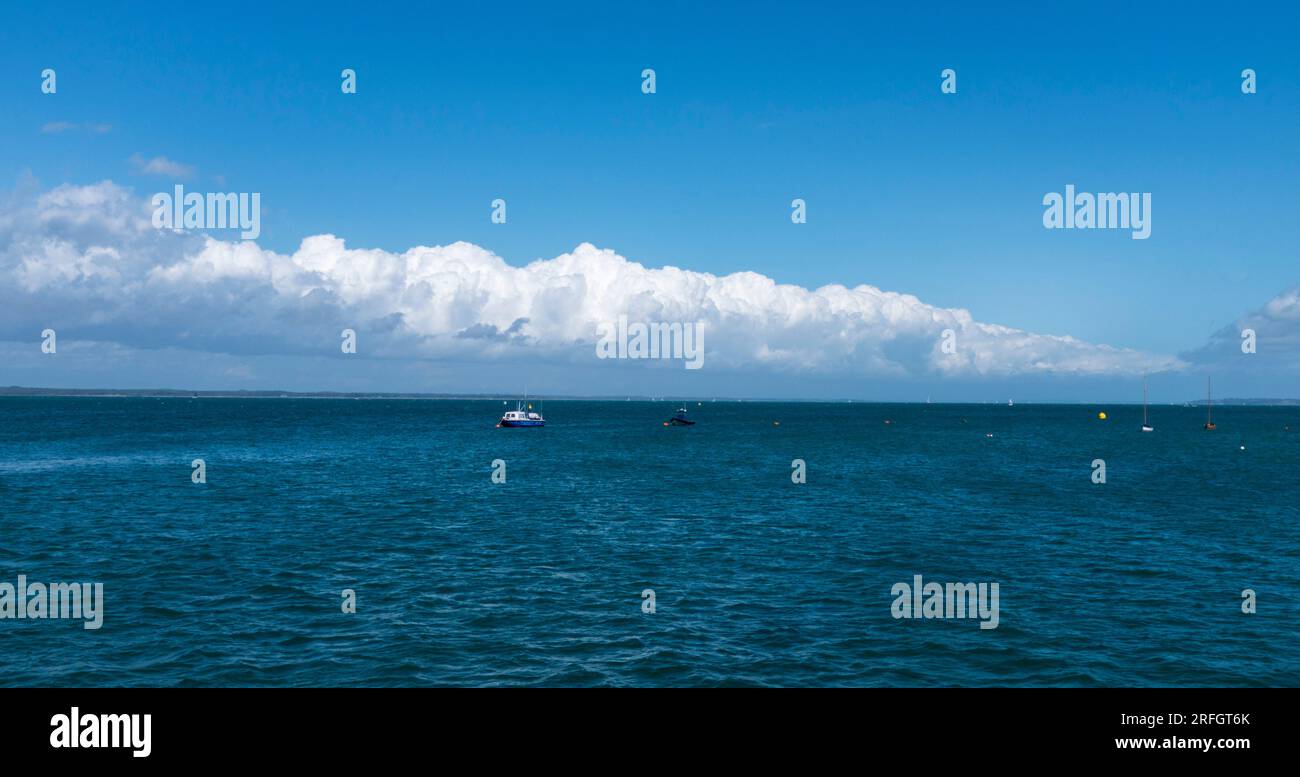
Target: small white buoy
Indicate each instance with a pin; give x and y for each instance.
(1243, 447)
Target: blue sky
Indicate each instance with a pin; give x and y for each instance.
(908, 190)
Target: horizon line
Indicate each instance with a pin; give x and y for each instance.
(161, 393)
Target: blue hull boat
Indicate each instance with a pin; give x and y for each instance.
(519, 417)
(679, 419)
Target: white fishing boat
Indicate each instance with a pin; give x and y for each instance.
(521, 416)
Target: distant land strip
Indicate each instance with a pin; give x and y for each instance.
(25, 391)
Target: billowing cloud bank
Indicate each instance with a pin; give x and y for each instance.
(1276, 330)
(87, 261)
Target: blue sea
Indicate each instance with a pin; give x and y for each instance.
(757, 580)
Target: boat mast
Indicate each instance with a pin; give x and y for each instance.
(1144, 399)
(1209, 402)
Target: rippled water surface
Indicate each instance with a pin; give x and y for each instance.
(538, 581)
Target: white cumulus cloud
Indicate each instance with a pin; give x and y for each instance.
(87, 258)
(160, 166)
(1276, 329)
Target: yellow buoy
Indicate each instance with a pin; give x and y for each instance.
(1102, 416)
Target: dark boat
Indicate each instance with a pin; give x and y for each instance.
(679, 419)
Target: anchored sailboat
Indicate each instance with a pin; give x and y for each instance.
(1146, 427)
(1209, 408)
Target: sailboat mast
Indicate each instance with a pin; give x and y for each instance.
(1209, 402)
(1144, 399)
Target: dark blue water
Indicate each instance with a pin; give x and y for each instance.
(758, 580)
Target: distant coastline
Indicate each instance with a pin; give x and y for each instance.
(25, 391)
